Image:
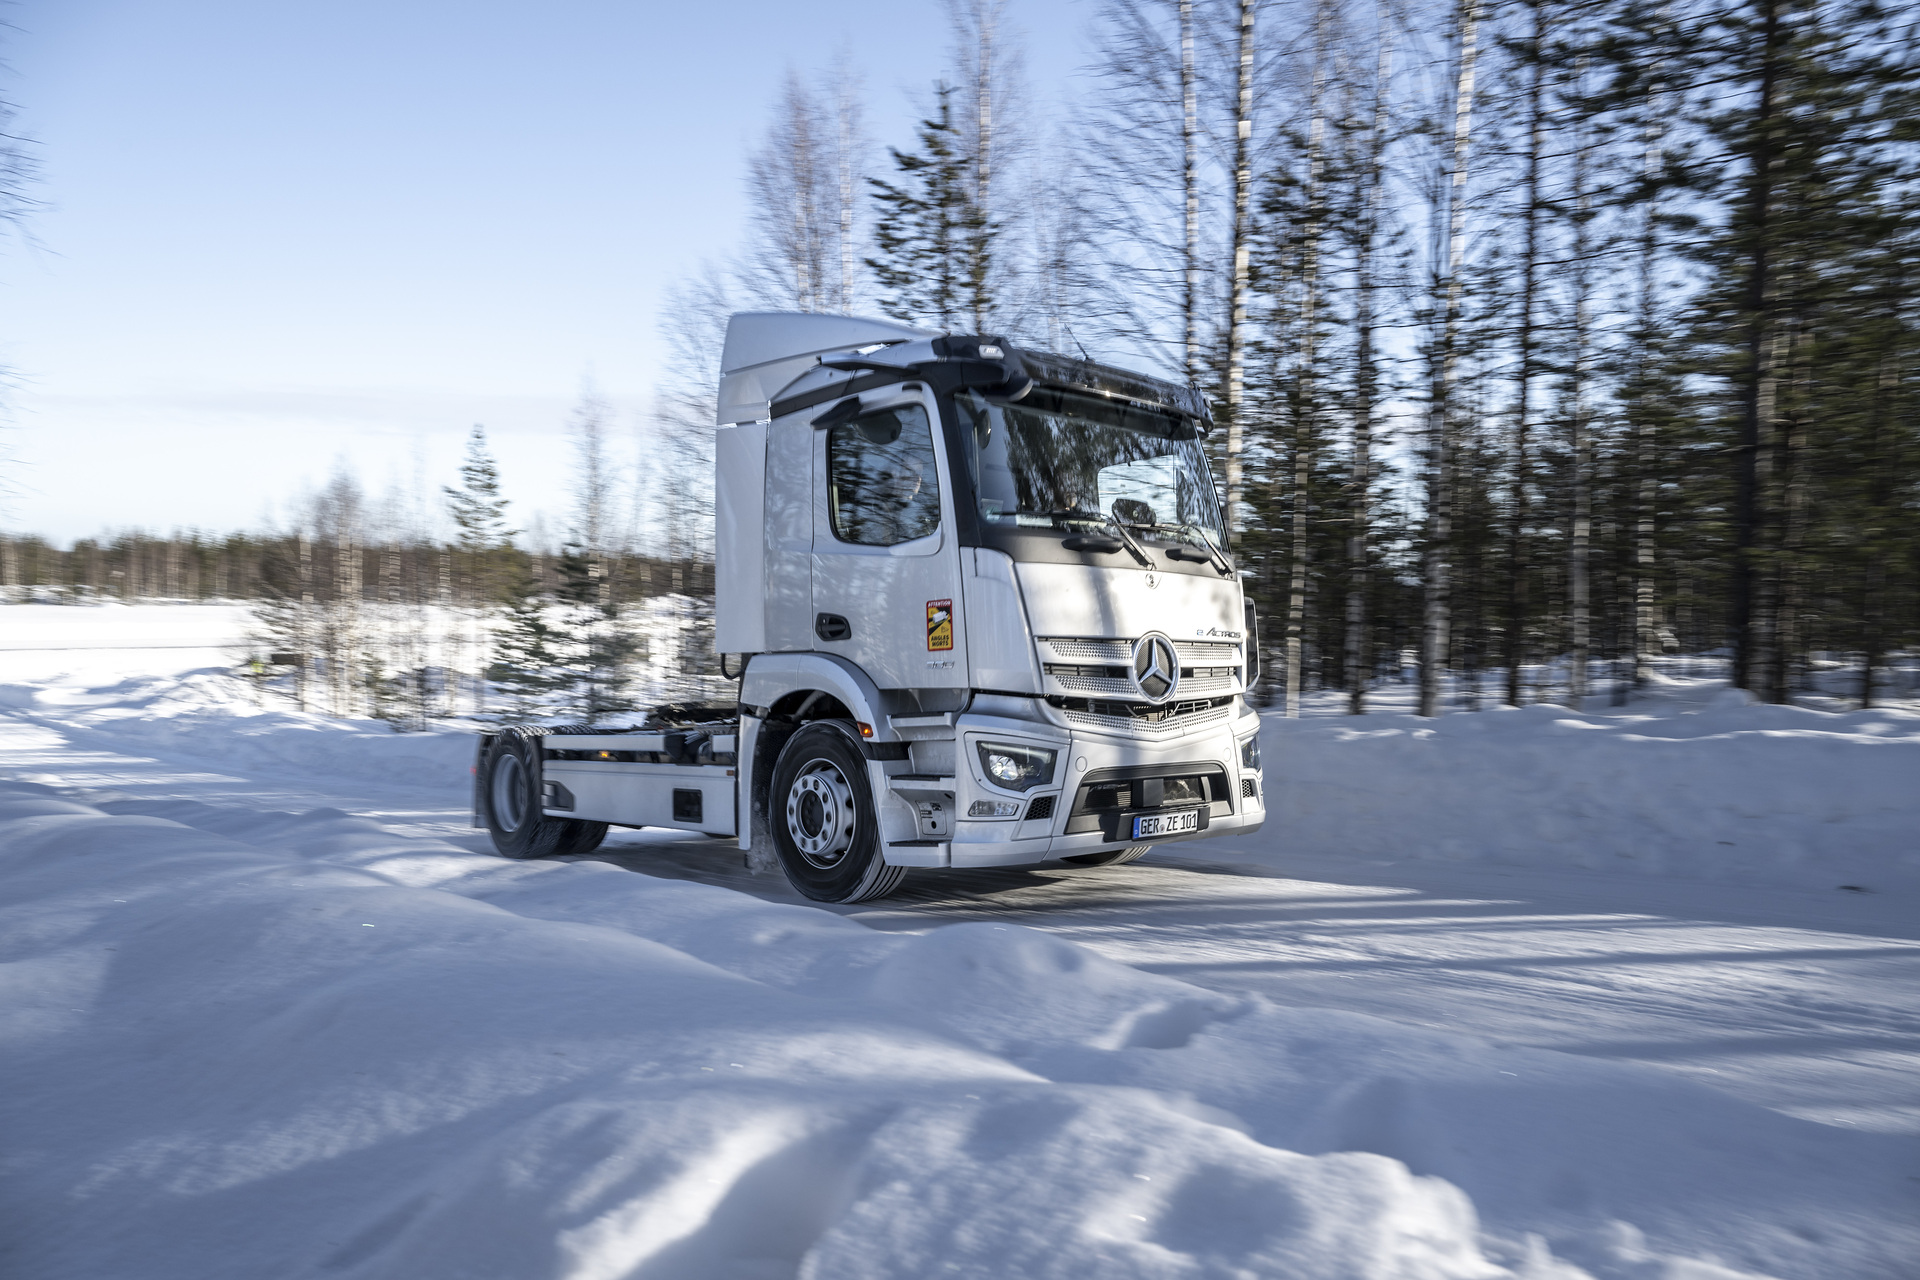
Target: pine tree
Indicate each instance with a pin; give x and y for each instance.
(598, 654)
(935, 243)
(527, 657)
(482, 551)
(478, 511)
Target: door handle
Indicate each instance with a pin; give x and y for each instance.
(831, 626)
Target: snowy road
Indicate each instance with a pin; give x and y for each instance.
(1772, 985)
(1804, 1001)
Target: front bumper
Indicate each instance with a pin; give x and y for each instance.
(1064, 827)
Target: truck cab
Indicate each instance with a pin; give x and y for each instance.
(980, 608)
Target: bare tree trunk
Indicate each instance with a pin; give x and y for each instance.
(1646, 446)
(1790, 642)
(1190, 178)
(1242, 249)
(1305, 380)
(303, 671)
(1519, 504)
(983, 138)
(846, 165)
(1873, 573)
(1752, 616)
(1365, 386)
(1579, 543)
(1437, 565)
(348, 662)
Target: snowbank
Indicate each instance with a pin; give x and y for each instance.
(240, 1044)
(1713, 789)
(1692, 780)
(213, 717)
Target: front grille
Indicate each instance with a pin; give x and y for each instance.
(1140, 720)
(1115, 682)
(1207, 653)
(1249, 789)
(1042, 807)
(1104, 651)
(1209, 679)
(1202, 653)
(1112, 681)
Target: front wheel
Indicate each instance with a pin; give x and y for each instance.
(825, 827)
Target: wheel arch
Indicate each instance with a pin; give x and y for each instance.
(793, 689)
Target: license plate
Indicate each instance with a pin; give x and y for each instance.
(1149, 825)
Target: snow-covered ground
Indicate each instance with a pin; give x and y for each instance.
(1480, 1001)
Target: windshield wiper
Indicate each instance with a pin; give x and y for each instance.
(1126, 538)
(1133, 544)
(1222, 565)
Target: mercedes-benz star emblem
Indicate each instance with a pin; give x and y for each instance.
(1156, 667)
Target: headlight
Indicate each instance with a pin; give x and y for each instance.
(1250, 754)
(1016, 768)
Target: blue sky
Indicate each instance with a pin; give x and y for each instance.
(284, 234)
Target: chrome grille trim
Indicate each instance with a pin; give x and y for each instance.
(1204, 681)
(1208, 653)
(1104, 686)
(1196, 653)
(1078, 649)
(1129, 727)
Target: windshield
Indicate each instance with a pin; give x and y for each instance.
(1056, 460)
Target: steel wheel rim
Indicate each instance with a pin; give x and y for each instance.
(821, 817)
(509, 796)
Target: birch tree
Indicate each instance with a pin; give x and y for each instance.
(986, 80)
(1238, 319)
(1144, 140)
(1306, 379)
(803, 183)
(1444, 363)
(1371, 183)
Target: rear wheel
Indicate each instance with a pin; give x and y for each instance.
(825, 828)
(512, 796)
(580, 837)
(1112, 858)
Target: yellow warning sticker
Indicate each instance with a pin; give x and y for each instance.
(939, 625)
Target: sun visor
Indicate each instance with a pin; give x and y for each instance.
(766, 350)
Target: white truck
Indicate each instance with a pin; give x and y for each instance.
(979, 608)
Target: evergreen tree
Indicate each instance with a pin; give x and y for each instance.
(527, 658)
(935, 242)
(478, 511)
(599, 654)
(483, 551)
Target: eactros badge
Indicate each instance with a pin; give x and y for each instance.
(939, 625)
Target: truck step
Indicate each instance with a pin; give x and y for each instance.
(918, 853)
(921, 782)
(923, 727)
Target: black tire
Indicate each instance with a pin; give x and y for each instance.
(826, 830)
(579, 837)
(510, 799)
(1112, 858)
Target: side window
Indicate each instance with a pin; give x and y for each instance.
(882, 487)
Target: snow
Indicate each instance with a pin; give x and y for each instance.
(244, 1032)
(1693, 780)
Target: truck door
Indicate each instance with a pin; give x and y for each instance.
(886, 580)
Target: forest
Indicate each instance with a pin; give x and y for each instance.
(1544, 338)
